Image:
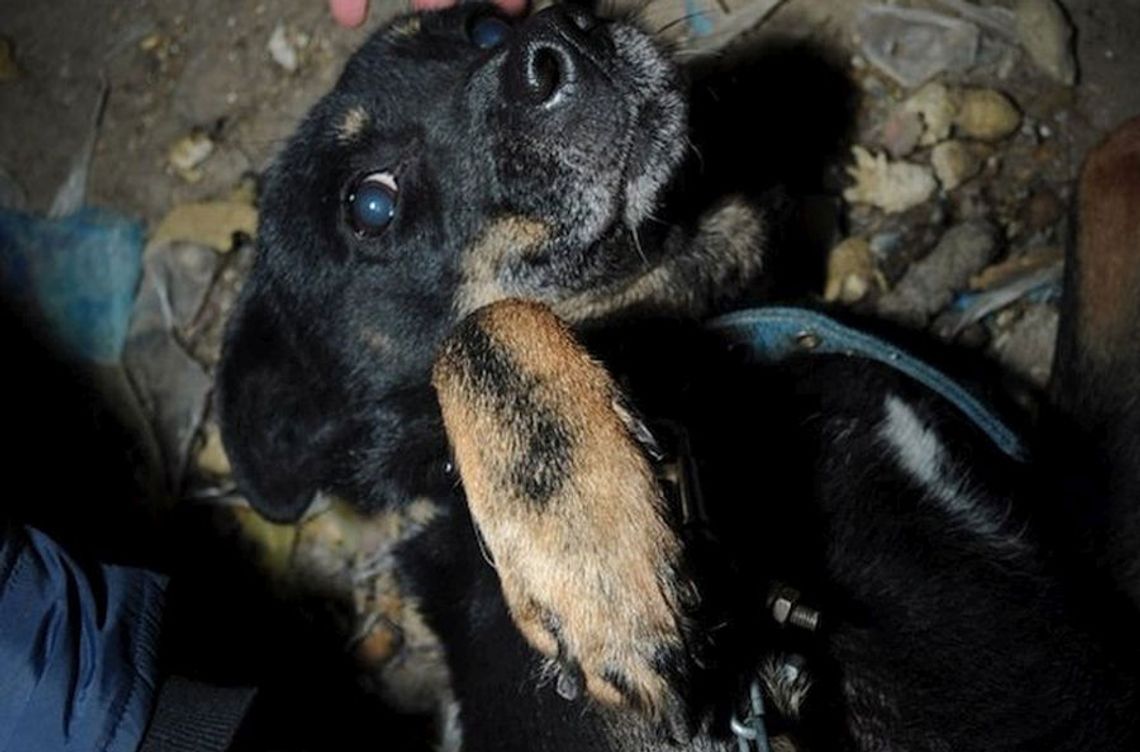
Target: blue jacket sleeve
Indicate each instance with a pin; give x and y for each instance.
(78, 648)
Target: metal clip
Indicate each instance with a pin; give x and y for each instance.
(677, 472)
(751, 733)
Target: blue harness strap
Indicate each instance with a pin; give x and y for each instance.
(777, 333)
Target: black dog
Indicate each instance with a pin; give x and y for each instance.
(460, 162)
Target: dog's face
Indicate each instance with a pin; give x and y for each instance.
(459, 160)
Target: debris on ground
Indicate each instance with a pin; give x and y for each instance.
(930, 284)
(913, 46)
(702, 27)
(891, 186)
(984, 114)
(1047, 36)
(971, 308)
(187, 154)
(1025, 342)
(851, 272)
(969, 127)
(992, 18)
(203, 335)
(955, 162)
(966, 112)
(72, 194)
(902, 132)
(75, 277)
(210, 223)
(286, 46)
(172, 387)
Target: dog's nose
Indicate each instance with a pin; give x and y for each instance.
(546, 56)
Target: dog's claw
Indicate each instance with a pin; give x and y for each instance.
(570, 681)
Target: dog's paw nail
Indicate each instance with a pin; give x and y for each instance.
(570, 682)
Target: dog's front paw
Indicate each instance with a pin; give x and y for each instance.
(569, 509)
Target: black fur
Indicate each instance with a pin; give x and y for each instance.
(938, 634)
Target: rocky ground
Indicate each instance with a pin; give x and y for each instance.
(951, 199)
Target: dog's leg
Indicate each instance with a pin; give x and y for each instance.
(1097, 379)
(718, 263)
(568, 508)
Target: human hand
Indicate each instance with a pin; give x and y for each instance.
(351, 13)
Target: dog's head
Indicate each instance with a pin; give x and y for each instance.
(460, 159)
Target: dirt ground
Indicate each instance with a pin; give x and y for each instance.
(202, 93)
(181, 66)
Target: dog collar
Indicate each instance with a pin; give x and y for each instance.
(777, 333)
(772, 335)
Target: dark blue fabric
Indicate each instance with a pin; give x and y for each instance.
(77, 649)
(775, 333)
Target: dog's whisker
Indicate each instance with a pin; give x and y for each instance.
(483, 546)
(697, 152)
(637, 245)
(640, 8)
(682, 19)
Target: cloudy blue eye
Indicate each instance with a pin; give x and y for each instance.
(488, 31)
(372, 203)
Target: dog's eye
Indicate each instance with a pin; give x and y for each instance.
(372, 203)
(488, 31)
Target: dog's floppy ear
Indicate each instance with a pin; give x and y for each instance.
(276, 424)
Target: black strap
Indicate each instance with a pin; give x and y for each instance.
(193, 717)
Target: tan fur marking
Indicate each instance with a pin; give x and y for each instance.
(405, 28)
(726, 255)
(352, 124)
(503, 238)
(1108, 247)
(599, 557)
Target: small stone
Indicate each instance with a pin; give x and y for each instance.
(975, 113)
(1047, 36)
(954, 163)
(851, 272)
(188, 153)
(901, 133)
(935, 106)
(891, 186)
(930, 283)
(986, 115)
(151, 42)
(883, 244)
(1026, 344)
(283, 49)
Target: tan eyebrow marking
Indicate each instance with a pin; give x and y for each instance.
(352, 124)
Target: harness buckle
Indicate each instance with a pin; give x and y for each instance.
(751, 733)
